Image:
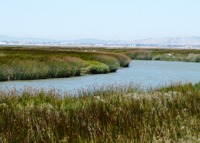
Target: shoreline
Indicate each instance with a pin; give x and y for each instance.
(27, 62)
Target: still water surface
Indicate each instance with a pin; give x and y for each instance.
(143, 73)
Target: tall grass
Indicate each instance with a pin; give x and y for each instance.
(112, 62)
(164, 54)
(193, 57)
(25, 64)
(94, 55)
(122, 59)
(112, 114)
(140, 55)
(33, 69)
(97, 68)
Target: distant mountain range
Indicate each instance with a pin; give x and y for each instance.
(176, 41)
(167, 41)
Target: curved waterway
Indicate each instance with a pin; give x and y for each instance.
(143, 73)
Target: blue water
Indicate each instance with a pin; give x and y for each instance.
(143, 73)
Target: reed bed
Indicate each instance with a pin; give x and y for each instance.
(34, 69)
(140, 55)
(25, 63)
(28, 64)
(164, 54)
(108, 114)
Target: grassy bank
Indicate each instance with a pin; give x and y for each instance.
(112, 114)
(185, 55)
(165, 54)
(26, 63)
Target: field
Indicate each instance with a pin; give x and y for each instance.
(108, 114)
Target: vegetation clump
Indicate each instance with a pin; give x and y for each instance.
(112, 62)
(97, 67)
(193, 57)
(140, 55)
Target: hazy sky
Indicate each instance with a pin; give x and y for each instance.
(103, 19)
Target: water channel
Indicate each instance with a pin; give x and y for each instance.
(143, 73)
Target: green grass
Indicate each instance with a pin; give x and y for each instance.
(33, 69)
(140, 55)
(154, 54)
(112, 62)
(97, 67)
(27, 63)
(112, 114)
(186, 55)
(19, 63)
(164, 54)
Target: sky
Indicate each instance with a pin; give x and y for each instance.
(101, 19)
